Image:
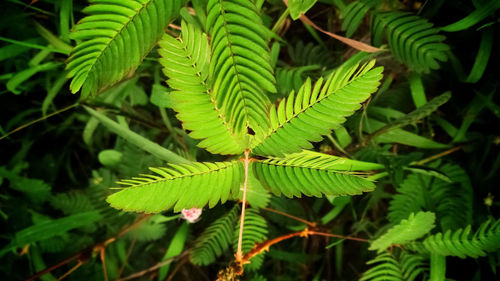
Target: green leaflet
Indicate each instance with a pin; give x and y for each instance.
(186, 61)
(416, 226)
(420, 113)
(113, 40)
(354, 13)
(281, 177)
(240, 69)
(451, 201)
(412, 40)
(317, 160)
(215, 239)
(476, 16)
(315, 110)
(462, 243)
(388, 266)
(175, 187)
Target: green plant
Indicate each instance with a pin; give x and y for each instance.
(239, 131)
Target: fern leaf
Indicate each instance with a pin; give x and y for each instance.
(310, 54)
(114, 38)
(412, 40)
(254, 231)
(409, 199)
(186, 61)
(407, 230)
(451, 201)
(72, 203)
(413, 265)
(215, 239)
(314, 111)
(354, 13)
(175, 186)
(420, 113)
(281, 176)
(313, 159)
(387, 268)
(461, 243)
(240, 68)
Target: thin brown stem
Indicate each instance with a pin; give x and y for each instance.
(353, 43)
(153, 268)
(264, 246)
(38, 120)
(70, 271)
(439, 155)
(102, 255)
(246, 162)
(176, 269)
(311, 224)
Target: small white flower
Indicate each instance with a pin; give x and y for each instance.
(191, 215)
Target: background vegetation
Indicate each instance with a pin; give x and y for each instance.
(432, 125)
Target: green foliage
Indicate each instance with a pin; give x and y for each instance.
(72, 203)
(49, 229)
(416, 226)
(255, 227)
(412, 40)
(319, 109)
(115, 37)
(174, 187)
(193, 87)
(462, 243)
(389, 267)
(450, 200)
(283, 177)
(215, 239)
(240, 69)
(188, 74)
(354, 13)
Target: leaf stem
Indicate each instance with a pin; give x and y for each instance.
(239, 255)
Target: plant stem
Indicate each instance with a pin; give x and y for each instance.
(140, 141)
(311, 224)
(242, 217)
(437, 156)
(38, 120)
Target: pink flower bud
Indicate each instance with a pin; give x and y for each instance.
(191, 215)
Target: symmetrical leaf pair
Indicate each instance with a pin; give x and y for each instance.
(199, 184)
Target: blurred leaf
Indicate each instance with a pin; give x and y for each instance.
(49, 229)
